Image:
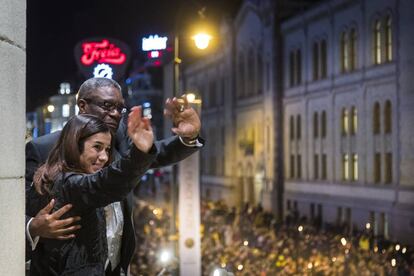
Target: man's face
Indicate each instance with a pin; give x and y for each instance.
(106, 103)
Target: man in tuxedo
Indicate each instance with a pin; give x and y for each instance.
(103, 98)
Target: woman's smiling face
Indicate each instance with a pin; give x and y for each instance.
(96, 152)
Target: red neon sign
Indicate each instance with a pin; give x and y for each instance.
(101, 52)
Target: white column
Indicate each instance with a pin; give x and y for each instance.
(189, 215)
(12, 135)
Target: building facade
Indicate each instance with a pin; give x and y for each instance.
(347, 101)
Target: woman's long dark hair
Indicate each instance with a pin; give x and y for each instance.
(65, 155)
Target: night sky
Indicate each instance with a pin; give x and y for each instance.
(54, 28)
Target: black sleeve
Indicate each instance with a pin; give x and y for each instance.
(33, 161)
(108, 185)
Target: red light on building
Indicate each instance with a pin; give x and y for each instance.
(102, 52)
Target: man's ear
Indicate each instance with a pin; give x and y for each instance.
(82, 106)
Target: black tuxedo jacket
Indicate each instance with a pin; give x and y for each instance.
(169, 151)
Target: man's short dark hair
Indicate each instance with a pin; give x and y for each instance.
(92, 84)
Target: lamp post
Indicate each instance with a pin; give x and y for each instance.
(187, 174)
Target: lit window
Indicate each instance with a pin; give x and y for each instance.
(353, 49)
(65, 110)
(376, 119)
(345, 167)
(387, 117)
(388, 39)
(354, 121)
(355, 167)
(377, 42)
(377, 168)
(388, 168)
(344, 52)
(345, 122)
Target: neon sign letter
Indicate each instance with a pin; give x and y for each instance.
(154, 42)
(101, 52)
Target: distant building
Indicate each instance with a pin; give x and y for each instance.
(316, 104)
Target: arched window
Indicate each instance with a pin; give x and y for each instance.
(345, 122)
(354, 120)
(353, 49)
(292, 128)
(324, 59)
(323, 124)
(388, 39)
(315, 125)
(298, 127)
(315, 60)
(251, 76)
(344, 52)
(376, 118)
(387, 117)
(345, 167)
(377, 42)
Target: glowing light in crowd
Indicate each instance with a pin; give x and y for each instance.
(346, 251)
(397, 247)
(154, 42)
(190, 97)
(240, 267)
(202, 40)
(343, 241)
(368, 226)
(165, 256)
(216, 272)
(393, 262)
(245, 243)
(333, 259)
(156, 211)
(223, 265)
(404, 250)
(376, 249)
(300, 228)
(50, 108)
(310, 265)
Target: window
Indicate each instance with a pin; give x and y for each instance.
(376, 119)
(344, 52)
(295, 67)
(65, 110)
(377, 168)
(377, 42)
(387, 117)
(315, 59)
(315, 125)
(345, 122)
(292, 166)
(388, 39)
(388, 168)
(298, 127)
(299, 160)
(354, 121)
(292, 128)
(345, 167)
(353, 49)
(324, 59)
(316, 166)
(324, 168)
(354, 167)
(323, 124)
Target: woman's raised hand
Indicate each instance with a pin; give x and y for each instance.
(140, 130)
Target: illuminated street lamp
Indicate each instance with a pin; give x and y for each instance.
(50, 108)
(202, 40)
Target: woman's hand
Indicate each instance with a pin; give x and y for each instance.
(140, 130)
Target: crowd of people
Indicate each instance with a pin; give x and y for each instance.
(251, 242)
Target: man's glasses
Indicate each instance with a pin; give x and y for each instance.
(108, 106)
